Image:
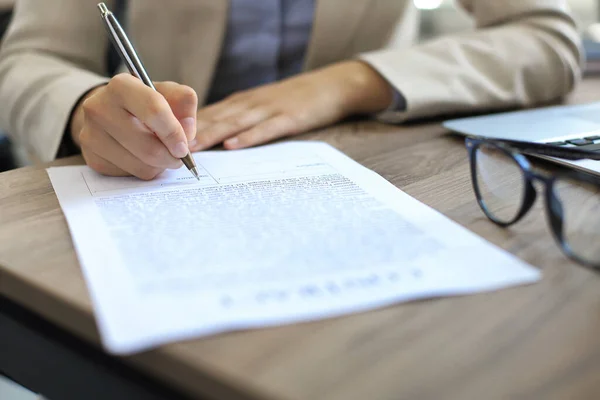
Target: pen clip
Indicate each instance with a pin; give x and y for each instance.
(103, 9)
(123, 46)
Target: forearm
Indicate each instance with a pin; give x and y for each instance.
(531, 60)
(364, 90)
(38, 94)
(49, 58)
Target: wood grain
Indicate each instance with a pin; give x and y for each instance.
(535, 342)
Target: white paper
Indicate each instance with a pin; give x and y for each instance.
(278, 234)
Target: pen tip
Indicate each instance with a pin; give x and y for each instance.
(194, 171)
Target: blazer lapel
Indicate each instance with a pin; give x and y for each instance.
(343, 28)
(180, 40)
(202, 27)
(335, 25)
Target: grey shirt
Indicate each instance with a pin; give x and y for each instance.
(265, 41)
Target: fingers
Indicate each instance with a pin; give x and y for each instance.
(183, 101)
(100, 165)
(232, 105)
(273, 128)
(152, 109)
(115, 160)
(130, 133)
(218, 131)
(130, 129)
(298, 104)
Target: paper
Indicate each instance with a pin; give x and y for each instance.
(278, 234)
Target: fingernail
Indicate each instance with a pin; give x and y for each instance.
(180, 150)
(193, 143)
(233, 142)
(189, 126)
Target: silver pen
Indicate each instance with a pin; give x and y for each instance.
(134, 64)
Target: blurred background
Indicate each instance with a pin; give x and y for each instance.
(443, 16)
(437, 17)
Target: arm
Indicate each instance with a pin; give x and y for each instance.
(51, 61)
(523, 52)
(50, 58)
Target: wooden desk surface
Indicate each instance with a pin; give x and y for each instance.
(536, 342)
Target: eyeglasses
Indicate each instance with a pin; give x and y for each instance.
(503, 181)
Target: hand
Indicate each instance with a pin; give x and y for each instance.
(299, 104)
(126, 128)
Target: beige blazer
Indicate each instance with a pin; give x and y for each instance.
(523, 52)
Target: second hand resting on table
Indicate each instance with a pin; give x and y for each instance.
(125, 128)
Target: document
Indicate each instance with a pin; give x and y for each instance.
(278, 234)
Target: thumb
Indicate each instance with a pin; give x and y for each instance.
(183, 101)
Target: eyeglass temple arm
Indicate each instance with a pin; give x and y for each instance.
(568, 153)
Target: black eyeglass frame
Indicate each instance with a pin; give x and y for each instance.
(554, 210)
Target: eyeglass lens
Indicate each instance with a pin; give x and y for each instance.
(580, 206)
(500, 182)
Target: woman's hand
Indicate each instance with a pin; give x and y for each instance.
(296, 105)
(126, 128)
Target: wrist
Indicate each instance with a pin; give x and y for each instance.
(367, 91)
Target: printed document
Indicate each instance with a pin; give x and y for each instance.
(278, 234)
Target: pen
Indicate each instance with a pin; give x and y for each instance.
(134, 64)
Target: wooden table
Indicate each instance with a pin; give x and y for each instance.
(535, 342)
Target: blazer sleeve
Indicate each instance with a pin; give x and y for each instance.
(522, 52)
(53, 53)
